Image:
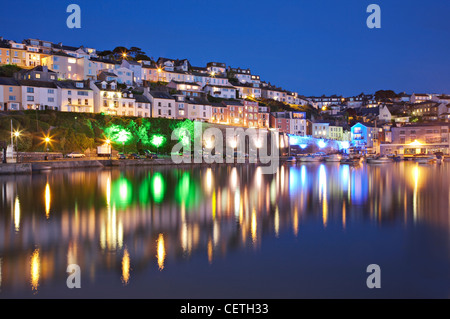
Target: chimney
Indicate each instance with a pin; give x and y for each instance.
(45, 68)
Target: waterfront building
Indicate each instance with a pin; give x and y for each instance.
(364, 138)
(327, 131)
(426, 138)
(294, 123)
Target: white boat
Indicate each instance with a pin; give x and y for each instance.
(379, 160)
(426, 159)
(291, 159)
(333, 158)
(310, 158)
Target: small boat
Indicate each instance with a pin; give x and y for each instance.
(291, 159)
(379, 160)
(426, 159)
(310, 158)
(333, 158)
(397, 158)
(351, 160)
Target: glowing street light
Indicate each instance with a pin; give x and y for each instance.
(108, 142)
(16, 135)
(47, 140)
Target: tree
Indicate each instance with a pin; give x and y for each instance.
(141, 56)
(118, 52)
(385, 94)
(9, 70)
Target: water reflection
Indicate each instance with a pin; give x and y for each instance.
(102, 218)
(35, 269)
(161, 251)
(47, 197)
(126, 267)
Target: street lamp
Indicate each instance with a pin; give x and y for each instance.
(17, 134)
(46, 140)
(108, 142)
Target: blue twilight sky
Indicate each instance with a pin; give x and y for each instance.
(313, 47)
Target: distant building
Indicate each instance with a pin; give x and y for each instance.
(418, 139)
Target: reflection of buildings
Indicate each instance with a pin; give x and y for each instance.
(132, 220)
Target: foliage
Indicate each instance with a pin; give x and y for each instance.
(79, 131)
(8, 70)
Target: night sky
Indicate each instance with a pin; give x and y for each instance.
(313, 47)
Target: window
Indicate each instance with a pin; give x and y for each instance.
(69, 92)
(51, 99)
(86, 102)
(30, 90)
(51, 91)
(79, 101)
(12, 97)
(82, 93)
(30, 98)
(55, 59)
(69, 100)
(79, 85)
(10, 89)
(38, 76)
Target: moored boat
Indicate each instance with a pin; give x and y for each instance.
(333, 158)
(310, 158)
(379, 160)
(426, 159)
(351, 160)
(291, 159)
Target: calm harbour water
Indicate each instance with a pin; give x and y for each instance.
(308, 231)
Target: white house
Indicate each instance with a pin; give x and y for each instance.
(136, 68)
(163, 104)
(198, 111)
(221, 91)
(39, 95)
(124, 75)
(75, 96)
(384, 114)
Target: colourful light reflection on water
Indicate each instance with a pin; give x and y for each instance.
(204, 214)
